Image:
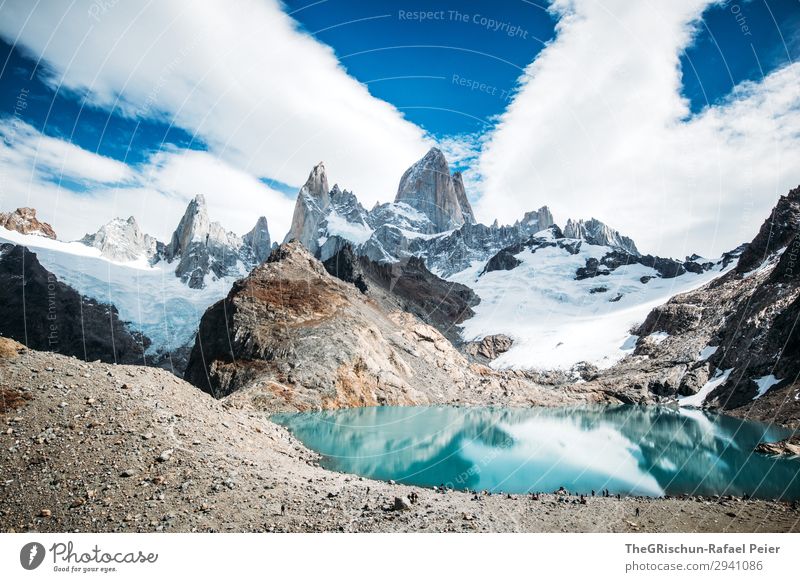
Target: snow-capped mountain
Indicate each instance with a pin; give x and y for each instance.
(161, 289)
(563, 296)
(122, 240)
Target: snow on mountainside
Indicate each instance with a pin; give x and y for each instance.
(150, 297)
(162, 290)
(557, 320)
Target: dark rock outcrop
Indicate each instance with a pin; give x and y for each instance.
(45, 314)
(407, 285)
(502, 261)
(24, 221)
(489, 347)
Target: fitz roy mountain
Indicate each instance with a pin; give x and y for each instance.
(571, 301)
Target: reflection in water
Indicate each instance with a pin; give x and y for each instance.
(626, 449)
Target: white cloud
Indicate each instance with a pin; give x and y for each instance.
(58, 158)
(599, 128)
(267, 98)
(33, 165)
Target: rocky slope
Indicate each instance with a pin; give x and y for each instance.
(24, 221)
(293, 337)
(733, 344)
(45, 314)
(407, 285)
(96, 447)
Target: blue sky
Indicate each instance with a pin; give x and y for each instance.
(261, 97)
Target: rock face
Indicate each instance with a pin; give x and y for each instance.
(490, 347)
(43, 313)
(258, 240)
(24, 221)
(295, 338)
(122, 240)
(597, 233)
(409, 286)
(312, 202)
(202, 247)
(428, 187)
(736, 335)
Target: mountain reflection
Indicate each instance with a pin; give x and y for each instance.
(626, 449)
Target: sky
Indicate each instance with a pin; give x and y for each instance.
(677, 123)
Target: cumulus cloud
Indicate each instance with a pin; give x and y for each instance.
(77, 190)
(266, 98)
(599, 128)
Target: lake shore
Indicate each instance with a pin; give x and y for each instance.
(97, 447)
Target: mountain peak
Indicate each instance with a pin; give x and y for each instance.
(122, 240)
(596, 232)
(428, 187)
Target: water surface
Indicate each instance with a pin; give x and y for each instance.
(627, 449)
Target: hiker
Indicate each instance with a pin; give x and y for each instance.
(637, 512)
(592, 492)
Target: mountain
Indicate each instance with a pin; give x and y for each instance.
(733, 343)
(24, 221)
(597, 233)
(258, 240)
(428, 187)
(42, 312)
(162, 290)
(292, 337)
(205, 249)
(312, 203)
(122, 240)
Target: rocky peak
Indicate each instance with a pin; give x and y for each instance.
(258, 240)
(536, 220)
(193, 227)
(204, 247)
(122, 240)
(463, 201)
(24, 221)
(312, 203)
(598, 233)
(428, 187)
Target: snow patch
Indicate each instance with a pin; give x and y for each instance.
(698, 399)
(764, 384)
(707, 352)
(658, 336)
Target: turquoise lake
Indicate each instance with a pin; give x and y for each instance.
(629, 450)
